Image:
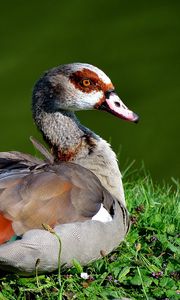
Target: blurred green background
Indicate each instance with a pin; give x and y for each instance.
(137, 43)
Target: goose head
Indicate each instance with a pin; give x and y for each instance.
(78, 86)
(64, 90)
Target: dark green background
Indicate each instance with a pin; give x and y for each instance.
(135, 42)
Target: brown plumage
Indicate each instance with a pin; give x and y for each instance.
(33, 192)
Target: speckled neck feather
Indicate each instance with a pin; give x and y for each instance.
(65, 135)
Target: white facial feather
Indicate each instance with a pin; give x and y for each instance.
(71, 68)
(75, 99)
(100, 73)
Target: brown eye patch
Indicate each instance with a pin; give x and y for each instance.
(88, 81)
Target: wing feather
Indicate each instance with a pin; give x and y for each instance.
(54, 194)
(33, 191)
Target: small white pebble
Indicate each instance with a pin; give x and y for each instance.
(84, 276)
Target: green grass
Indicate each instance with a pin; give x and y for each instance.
(145, 266)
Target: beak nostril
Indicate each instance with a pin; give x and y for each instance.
(117, 104)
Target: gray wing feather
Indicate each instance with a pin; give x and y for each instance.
(81, 240)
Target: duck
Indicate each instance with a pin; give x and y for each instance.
(76, 188)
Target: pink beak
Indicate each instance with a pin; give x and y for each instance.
(114, 105)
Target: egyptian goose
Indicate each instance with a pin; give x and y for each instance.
(76, 189)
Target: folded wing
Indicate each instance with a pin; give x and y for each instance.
(33, 192)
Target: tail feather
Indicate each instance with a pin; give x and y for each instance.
(6, 230)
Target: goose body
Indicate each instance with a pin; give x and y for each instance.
(77, 188)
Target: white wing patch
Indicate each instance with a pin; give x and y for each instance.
(102, 215)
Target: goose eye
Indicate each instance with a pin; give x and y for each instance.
(86, 82)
